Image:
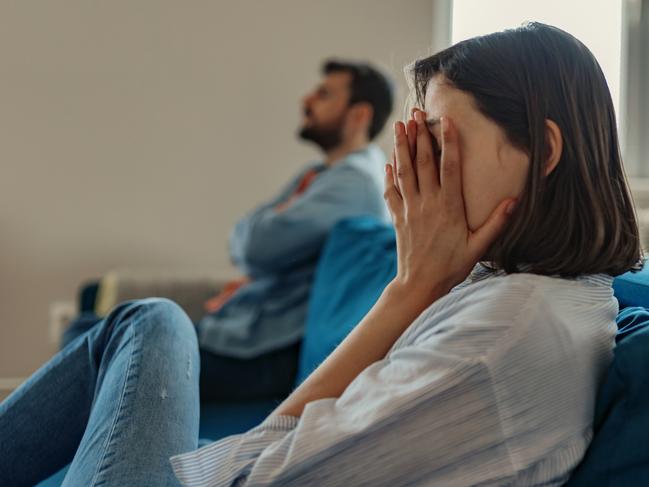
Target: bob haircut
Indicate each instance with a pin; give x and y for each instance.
(579, 219)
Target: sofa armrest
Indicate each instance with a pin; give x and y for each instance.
(189, 291)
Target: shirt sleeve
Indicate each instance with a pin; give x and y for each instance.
(271, 241)
(229, 461)
(412, 417)
(234, 245)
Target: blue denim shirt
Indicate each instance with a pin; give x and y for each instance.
(280, 250)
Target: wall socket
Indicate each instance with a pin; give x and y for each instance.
(61, 314)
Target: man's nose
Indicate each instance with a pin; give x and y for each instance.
(306, 100)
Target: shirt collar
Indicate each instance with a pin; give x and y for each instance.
(483, 270)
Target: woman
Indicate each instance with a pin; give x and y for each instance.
(461, 374)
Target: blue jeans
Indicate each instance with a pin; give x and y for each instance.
(267, 376)
(117, 402)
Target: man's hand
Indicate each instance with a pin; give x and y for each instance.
(215, 303)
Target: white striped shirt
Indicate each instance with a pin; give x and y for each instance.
(494, 384)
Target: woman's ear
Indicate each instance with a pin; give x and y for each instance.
(554, 144)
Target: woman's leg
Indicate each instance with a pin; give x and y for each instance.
(268, 376)
(79, 325)
(118, 401)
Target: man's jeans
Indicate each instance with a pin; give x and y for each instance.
(117, 402)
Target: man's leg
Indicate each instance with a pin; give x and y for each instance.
(268, 376)
(118, 402)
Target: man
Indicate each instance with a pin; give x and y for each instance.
(250, 339)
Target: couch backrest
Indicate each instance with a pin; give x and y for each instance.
(619, 452)
(356, 263)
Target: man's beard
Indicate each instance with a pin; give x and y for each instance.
(327, 138)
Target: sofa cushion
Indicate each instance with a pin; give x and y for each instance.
(632, 288)
(619, 452)
(356, 263)
(221, 419)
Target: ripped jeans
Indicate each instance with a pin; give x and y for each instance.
(117, 402)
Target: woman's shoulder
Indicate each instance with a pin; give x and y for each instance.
(499, 311)
(523, 298)
(503, 296)
(495, 289)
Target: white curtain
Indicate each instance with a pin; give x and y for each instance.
(634, 116)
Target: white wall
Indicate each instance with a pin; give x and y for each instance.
(133, 134)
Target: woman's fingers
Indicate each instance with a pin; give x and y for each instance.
(411, 130)
(450, 176)
(405, 171)
(427, 177)
(483, 237)
(393, 171)
(392, 196)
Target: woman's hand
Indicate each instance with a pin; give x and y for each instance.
(436, 249)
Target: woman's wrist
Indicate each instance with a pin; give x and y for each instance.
(399, 305)
(415, 296)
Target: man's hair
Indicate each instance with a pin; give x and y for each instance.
(580, 218)
(367, 85)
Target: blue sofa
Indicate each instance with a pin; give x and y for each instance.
(358, 261)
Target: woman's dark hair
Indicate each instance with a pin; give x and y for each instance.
(579, 219)
(368, 85)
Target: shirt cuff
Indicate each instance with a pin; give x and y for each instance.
(278, 422)
(226, 460)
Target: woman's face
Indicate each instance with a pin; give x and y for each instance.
(492, 168)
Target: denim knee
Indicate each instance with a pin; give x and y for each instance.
(156, 319)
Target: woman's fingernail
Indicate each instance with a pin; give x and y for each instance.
(511, 207)
(387, 168)
(419, 116)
